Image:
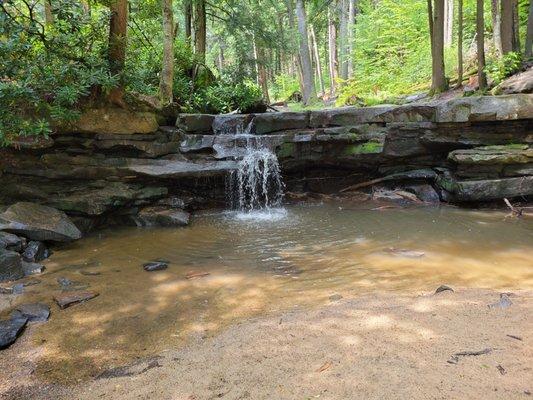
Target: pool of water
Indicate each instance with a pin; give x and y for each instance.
(256, 265)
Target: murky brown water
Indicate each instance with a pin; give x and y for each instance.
(257, 267)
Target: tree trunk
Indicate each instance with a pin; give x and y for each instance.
(262, 74)
(199, 30)
(332, 52)
(430, 24)
(317, 61)
(118, 26)
(509, 41)
(48, 16)
(516, 27)
(496, 26)
(529, 34)
(187, 11)
(459, 43)
(343, 39)
(351, 37)
(480, 33)
(309, 91)
(167, 71)
(448, 23)
(438, 78)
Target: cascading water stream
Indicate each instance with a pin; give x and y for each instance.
(255, 188)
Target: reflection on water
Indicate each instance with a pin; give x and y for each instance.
(258, 266)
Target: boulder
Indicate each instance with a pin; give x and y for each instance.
(424, 192)
(195, 123)
(12, 242)
(155, 266)
(492, 189)
(115, 121)
(35, 251)
(489, 155)
(34, 312)
(519, 83)
(161, 216)
(176, 169)
(38, 222)
(10, 330)
(486, 108)
(10, 266)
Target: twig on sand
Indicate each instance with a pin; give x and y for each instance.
(455, 358)
(325, 366)
(515, 337)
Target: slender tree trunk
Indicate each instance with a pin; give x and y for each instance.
(309, 92)
(529, 34)
(48, 16)
(480, 33)
(118, 26)
(496, 26)
(317, 61)
(200, 30)
(351, 37)
(459, 43)
(448, 23)
(438, 80)
(343, 39)
(516, 27)
(167, 71)
(332, 51)
(430, 24)
(509, 41)
(263, 77)
(187, 11)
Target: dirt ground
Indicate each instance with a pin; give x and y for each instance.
(379, 346)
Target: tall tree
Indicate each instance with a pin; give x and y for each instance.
(448, 23)
(459, 43)
(436, 17)
(309, 90)
(343, 38)
(480, 39)
(118, 26)
(496, 25)
(167, 71)
(352, 9)
(529, 34)
(317, 61)
(187, 12)
(200, 30)
(508, 30)
(332, 50)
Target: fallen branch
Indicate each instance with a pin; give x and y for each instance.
(455, 358)
(516, 212)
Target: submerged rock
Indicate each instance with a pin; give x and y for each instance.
(504, 302)
(12, 242)
(31, 268)
(10, 266)
(66, 300)
(10, 330)
(161, 216)
(38, 222)
(155, 266)
(35, 312)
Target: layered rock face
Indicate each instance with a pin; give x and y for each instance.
(470, 149)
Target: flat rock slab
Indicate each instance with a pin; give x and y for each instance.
(12, 242)
(177, 169)
(155, 266)
(65, 300)
(161, 216)
(34, 312)
(38, 222)
(31, 268)
(490, 155)
(116, 121)
(10, 330)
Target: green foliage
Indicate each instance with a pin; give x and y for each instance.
(500, 68)
(284, 87)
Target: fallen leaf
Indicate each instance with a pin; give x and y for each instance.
(192, 275)
(325, 366)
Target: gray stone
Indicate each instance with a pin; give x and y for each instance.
(231, 124)
(65, 300)
(161, 216)
(177, 169)
(492, 189)
(489, 155)
(34, 312)
(155, 266)
(38, 222)
(10, 330)
(281, 121)
(35, 251)
(518, 83)
(10, 266)
(31, 268)
(192, 143)
(424, 192)
(195, 123)
(11, 242)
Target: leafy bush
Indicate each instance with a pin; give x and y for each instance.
(500, 68)
(284, 87)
